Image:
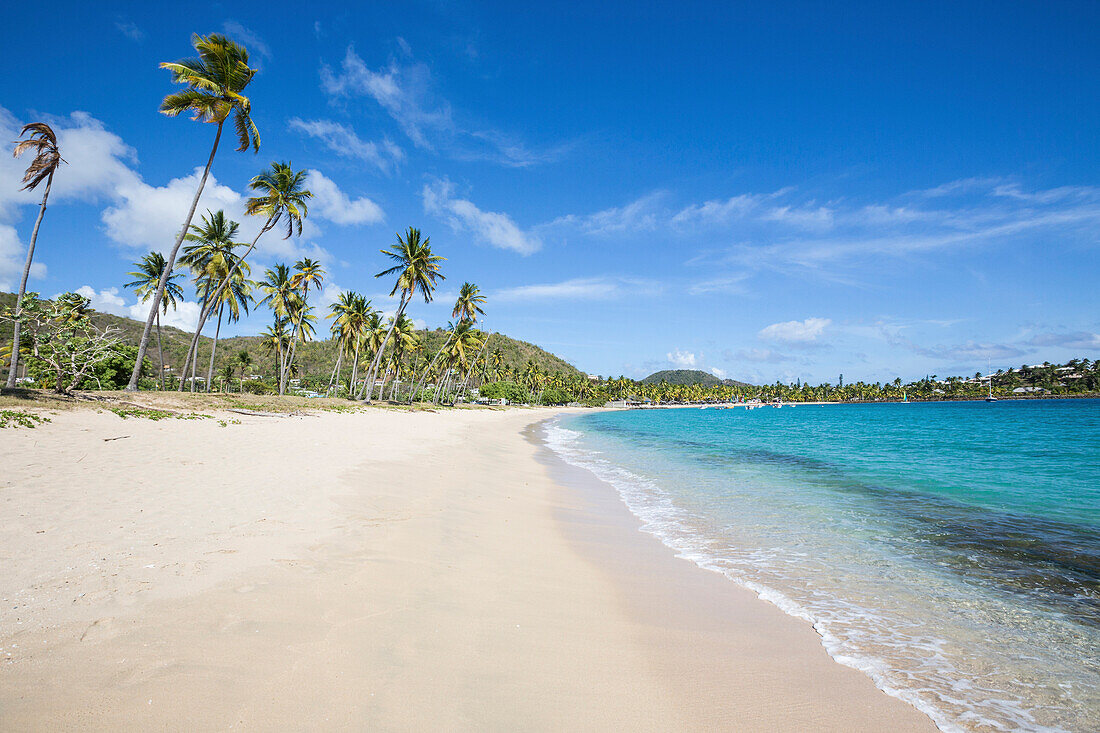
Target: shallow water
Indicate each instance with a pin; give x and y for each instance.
(949, 550)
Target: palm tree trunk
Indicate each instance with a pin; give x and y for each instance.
(23, 285)
(354, 366)
(405, 296)
(336, 371)
(160, 353)
(293, 350)
(170, 265)
(192, 350)
(214, 348)
(204, 312)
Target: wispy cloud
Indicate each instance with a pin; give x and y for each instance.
(584, 288)
(250, 39)
(406, 90)
(493, 228)
(130, 30)
(344, 141)
(642, 214)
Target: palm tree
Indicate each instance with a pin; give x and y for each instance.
(361, 321)
(467, 307)
(302, 320)
(308, 275)
(404, 340)
(147, 277)
(214, 83)
(243, 362)
(465, 342)
(210, 257)
(282, 199)
(236, 298)
(283, 298)
(346, 328)
(275, 340)
(46, 159)
(417, 269)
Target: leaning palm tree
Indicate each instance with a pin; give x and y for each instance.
(282, 199)
(46, 159)
(214, 83)
(147, 277)
(416, 269)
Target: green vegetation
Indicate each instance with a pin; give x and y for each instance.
(690, 376)
(20, 419)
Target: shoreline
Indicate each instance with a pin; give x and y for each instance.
(384, 569)
(715, 617)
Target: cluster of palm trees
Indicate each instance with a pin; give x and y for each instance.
(213, 84)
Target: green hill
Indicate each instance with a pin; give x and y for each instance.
(690, 376)
(316, 358)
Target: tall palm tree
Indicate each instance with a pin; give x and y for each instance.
(210, 257)
(46, 160)
(147, 277)
(308, 274)
(282, 199)
(416, 269)
(214, 83)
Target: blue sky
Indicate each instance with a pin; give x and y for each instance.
(766, 191)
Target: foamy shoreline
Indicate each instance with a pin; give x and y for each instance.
(375, 570)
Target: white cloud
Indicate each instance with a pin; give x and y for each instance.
(149, 217)
(493, 228)
(642, 214)
(333, 204)
(795, 331)
(130, 30)
(577, 289)
(13, 256)
(251, 41)
(720, 373)
(344, 141)
(682, 359)
(111, 300)
(406, 90)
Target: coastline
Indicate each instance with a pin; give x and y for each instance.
(382, 569)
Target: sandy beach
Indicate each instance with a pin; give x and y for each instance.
(382, 570)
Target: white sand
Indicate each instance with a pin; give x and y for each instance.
(375, 571)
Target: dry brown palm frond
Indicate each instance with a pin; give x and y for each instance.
(47, 157)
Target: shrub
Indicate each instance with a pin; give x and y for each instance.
(256, 386)
(508, 390)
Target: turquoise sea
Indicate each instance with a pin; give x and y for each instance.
(949, 550)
